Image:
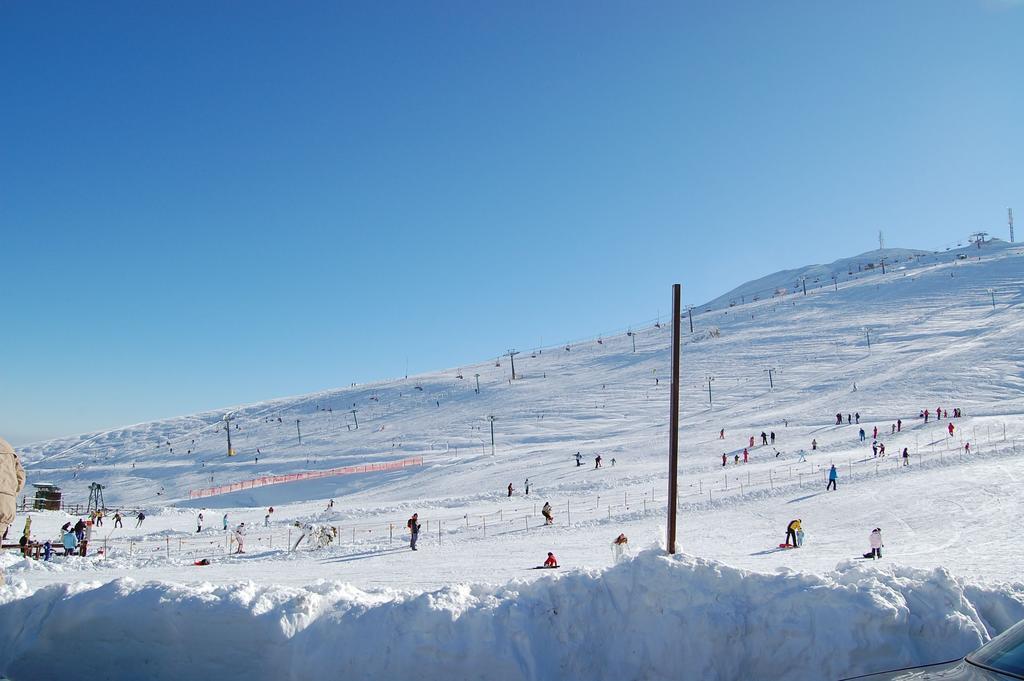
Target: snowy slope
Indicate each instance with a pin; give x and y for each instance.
(944, 332)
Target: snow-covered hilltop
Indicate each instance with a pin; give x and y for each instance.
(940, 332)
(929, 319)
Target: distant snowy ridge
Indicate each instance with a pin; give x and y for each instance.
(652, 617)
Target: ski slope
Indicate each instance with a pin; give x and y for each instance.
(944, 332)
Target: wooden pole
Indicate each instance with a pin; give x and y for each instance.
(673, 433)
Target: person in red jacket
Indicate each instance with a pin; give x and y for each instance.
(950, 429)
(551, 562)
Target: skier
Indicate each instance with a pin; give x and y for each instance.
(862, 435)
(857, 416)
(875, 538)
(725, 458)
(906, 457)
(736, 460)
(266, 520)
(117, 519)
(814, 445)
(240, 538)
(225, 522)
(791, 530)
(414, 530)
(199, 523)
(967, 448)
(579, 460)
(764, 438)
(926, 416)
(874, 434)
(721, 434)
(510, 490)
(549, 519)
(527, 486)
(839, 419)
(833, 475)
(881, 449)
(874, 448)
(551, 561)
(950, 428)
(613, 462)
(899, 425)
(849, 419)
(330, 504)
(751, 440)
(597, 461)
(773, 437)
(803, 456)
(745, 455)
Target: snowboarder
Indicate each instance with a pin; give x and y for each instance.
(579, 460)
(199, 523)
(863, 436)
(551, 561)
(875, 538)
(549, 519)
(414, 530)
(510, 490)
(791, 530)
(764, 438)
(833, 475)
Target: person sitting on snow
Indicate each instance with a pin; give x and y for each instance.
(551, 561)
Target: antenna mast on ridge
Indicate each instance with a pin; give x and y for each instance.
(1010, 211)
(881, 241)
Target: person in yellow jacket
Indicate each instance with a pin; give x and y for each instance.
(792, 532)
(12, 481)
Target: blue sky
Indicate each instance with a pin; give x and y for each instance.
(206, 204)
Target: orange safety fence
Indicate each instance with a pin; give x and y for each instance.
(312, 475)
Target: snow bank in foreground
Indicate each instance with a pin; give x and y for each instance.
(651, 618)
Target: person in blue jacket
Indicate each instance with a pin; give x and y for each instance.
(70, 541)
(833, 475)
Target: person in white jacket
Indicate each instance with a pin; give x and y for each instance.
(12, 481)
(876, 544)
(240, 538)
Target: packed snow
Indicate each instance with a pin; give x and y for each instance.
(944, 332)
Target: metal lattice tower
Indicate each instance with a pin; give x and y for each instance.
(95, 498)
(1010, 212)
